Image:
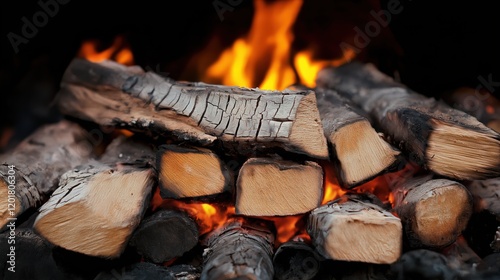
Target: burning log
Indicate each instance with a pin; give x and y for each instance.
(444, 140)
(112, 94)
(270, 187)
(191, 172)
(434, 212)
(296, 260)
(350, 229)
(97, 207)
(486, 195)
(239, 251)
(353, 141)
(30, 173)
(165, 235)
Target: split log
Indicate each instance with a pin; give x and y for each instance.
(191, 172)
(422, 264)
(353, 230)
(433, 212)
(97, 207)
(361, 154)
(239, 251)
(272, 187)
(445, 140)
(112, 94)
(486, 194)
(295, 260)
(165, 235)
(30, 173)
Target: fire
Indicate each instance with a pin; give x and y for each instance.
(263, 57)
(119, 51)
(332, 190)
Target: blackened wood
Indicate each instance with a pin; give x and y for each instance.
(422, 264)
(112, 94)
(239, 251)
(460, 256)
(486, 194)
(165, 235)
(434, 212)
(32, 257)
(296, 260)
(495, 244)
(350, 229)
(434, 135)
(191, 172)
(98, 206)
(490, 263)
(360, 153)
(275, 187)
(36, 165)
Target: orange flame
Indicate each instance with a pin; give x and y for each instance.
(332, 189)
(119, 51)
(263, 57)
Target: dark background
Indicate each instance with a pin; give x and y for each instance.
(432, 48)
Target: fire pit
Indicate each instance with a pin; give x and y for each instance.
(254, 160)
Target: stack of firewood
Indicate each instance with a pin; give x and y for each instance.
(358, 121)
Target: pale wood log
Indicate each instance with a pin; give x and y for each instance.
(486, 194)
(359, 151)
(274, 187)
(239, 251)
(434, 135)
(98, 206)
(36, 164)
(296, 260)
(112, 94)
(434, 212)
(191, 172)
(349, 229)
(165, 235)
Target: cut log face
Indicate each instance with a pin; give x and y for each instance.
(269, 187)
(112, 94)
(434, 212)
(486, 194)
(97, 207)
(352, 230)
(361, 153)
(444, 140)
(165, 235)
(30, 173)
(239, 251)
(191, 172)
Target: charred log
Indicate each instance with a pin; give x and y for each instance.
(296, 260)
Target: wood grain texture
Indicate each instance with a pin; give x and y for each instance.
(432, 134)
(39, 162)
(112, 94)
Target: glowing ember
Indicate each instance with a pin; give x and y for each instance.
(119, 51)
(332, 189)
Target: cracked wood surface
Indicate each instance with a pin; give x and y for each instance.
(98, 205)
(239, 251)
(112, 94)
(39, 162)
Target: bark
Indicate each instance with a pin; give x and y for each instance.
(433, 212)
(36, 165)
(444, 140)
(296, 260)
(98, 206)
(246, 119)
(274, 187)
(361, 154)
(239, 251)
(191, 172)
(349, 229)
(486, 195)
(165, 235)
